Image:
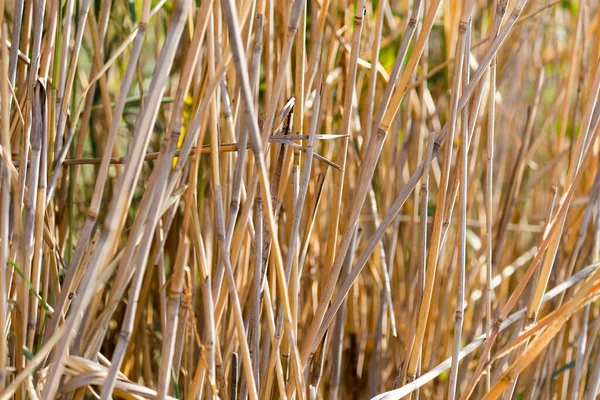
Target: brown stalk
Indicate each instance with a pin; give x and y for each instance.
(103, 171)
(462, 217)
(366, 172)
(477, 342)
(256, 141)
(436, 235)
(582, 298)
(41, 147)
(5, 210)
(119, 204)
(583, 140)
(137, 263)
(66, 84)
(403, 195)
(338, 179)
(551, 228)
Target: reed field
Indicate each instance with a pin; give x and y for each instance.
(299, 199)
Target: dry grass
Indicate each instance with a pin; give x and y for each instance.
(299, 199)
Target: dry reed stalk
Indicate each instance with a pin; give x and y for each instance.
(157, 194)
(515, 317)
(313, 57)
(243, 137)
(299, 200)
(40, 147)
(175, 291)
(33, 364)
(66, 83)
(337, 337)
(231, 18)
(298, 208)
(375, 48)
(345, 130)
(277, 357)
(462, 217)
(254, 322)
(391, 85)
(94, 208)
(246, 360)
(594, 384)
(583, 140)
(20, 233)
(208, 351)
(534, 303)
(536, 346)
(410, 185)
(294, 19)
(498, 15)
(128, 200)
(436, 235)
(115, 219)
(366, 173)
(422, 260)
(518, 173)
(223, 148)
(5, 209)
(551, 228)
(15, 38)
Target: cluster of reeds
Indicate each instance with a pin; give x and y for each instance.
(299, 199)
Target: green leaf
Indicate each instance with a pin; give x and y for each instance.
(49, 310)
(175, 385)
(562, 369)
(27, 353)
(132, 12)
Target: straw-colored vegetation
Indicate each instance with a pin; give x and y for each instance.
(299, 199)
